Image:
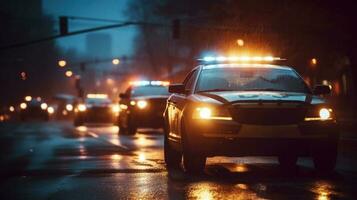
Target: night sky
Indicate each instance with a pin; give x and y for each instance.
(122, 38)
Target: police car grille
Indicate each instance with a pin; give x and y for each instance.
(157, 105)
(268, 116)
(98, 109)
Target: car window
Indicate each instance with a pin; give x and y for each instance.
(190, 81)
(149, 90)
(250, 79)
(97, 101)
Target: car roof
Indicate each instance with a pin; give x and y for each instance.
(146, 86)
(245, 65)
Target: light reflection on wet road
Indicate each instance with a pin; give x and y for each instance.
(57, 161)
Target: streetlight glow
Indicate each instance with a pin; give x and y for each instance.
(62, 63)
(23, 76)
(116, 61)
(314, 61)
(12, 108)
(240, 42)
(28, 98)
(69, 73)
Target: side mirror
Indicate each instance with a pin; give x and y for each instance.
(177, 88)
(322, 89)
(123, 95)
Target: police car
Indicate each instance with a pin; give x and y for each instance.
(34, 108)
(142, 106)
(96, 108)
(246, 106)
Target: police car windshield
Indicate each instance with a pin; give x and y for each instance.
(250, 79)
(97, 101)
(149, 90)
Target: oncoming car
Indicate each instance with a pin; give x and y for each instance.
(97, 108)
(246, 109)
(142, 106)
(34, 109)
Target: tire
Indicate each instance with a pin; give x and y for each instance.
(193, 163)
(122, 130)
(172, 157)
(325, 158)
(131, 130)
(287, 162)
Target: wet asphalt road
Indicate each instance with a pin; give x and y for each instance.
(54, 160)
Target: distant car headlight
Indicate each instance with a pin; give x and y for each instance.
(69, 107)
(123, 107)
(208, 113)
(321, 114)
(82, 107)
(142, 104)
(50, 110)
(116, 108)
(23, 106)
(133, 103)
(44, 106)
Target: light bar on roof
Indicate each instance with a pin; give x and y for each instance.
(219, 59)
(164, 83)
(139, 83)
(144, 83)
(97, 96)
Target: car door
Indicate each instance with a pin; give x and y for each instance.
(176, 104)
(125, 101)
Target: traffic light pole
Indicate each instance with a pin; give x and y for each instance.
(22, 44)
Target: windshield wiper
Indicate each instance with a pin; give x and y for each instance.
(265, 89)
(215, 90)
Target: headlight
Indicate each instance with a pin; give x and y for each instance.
(123, 107)
(115, 108)
(204, 113)
(44, 106)
(208, 113)
(23, 106)
(324, 113)
(142, 104)
(320, 115)
(50, 110)
(69, 107)
(82, 107)
(133, 103)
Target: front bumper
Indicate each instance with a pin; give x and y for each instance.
(90, 116)
(147, 119)
(228, 138)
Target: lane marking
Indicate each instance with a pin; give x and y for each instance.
(108, 141)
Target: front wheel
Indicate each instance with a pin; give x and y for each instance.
(131, 130)
(325, 158)
(193, 163)
(172, 157)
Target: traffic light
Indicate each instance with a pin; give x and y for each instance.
(63, 23)
(176, 28)
(77, 83)
(82, 67)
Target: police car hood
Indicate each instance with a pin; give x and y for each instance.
(150, 97)
(231, 97)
